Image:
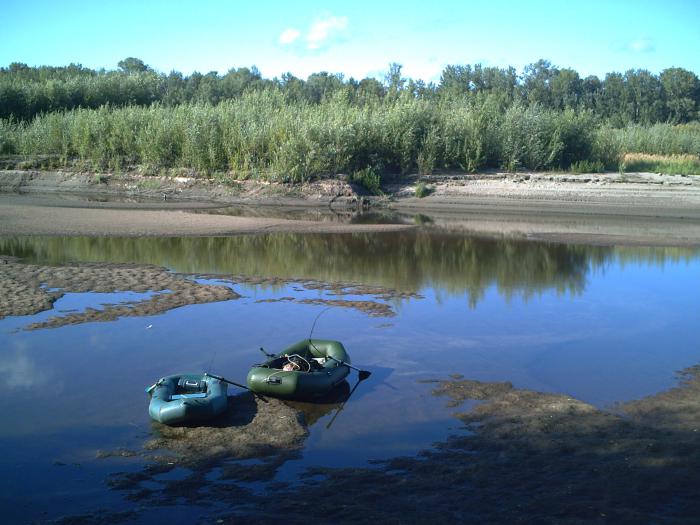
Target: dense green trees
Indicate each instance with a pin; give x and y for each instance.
(264, 134)
(636, 96)
(132, 65)
(682, 93)
(293, 129)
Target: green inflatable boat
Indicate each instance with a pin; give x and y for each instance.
(183, 399)
(309, 368)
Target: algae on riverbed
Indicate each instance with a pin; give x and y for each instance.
(28, 289)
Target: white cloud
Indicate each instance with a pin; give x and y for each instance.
(289, 36)
(323, 29)
(427, 70)
(641, 45)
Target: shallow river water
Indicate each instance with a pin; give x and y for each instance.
(601, 324)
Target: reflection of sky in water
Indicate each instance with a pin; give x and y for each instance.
(19, 372)
(74, 303)
(80, 301)
(622, 334)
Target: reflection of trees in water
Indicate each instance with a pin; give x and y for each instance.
(450, 263)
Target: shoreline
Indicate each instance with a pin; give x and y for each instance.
(31, 216)
(605, 209)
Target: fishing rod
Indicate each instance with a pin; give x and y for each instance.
(314, 324)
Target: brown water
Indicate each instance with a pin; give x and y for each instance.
(601, 324)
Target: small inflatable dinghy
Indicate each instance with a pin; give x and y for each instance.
(309, 368)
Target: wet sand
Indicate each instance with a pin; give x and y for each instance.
(604, 209)
(21, 215)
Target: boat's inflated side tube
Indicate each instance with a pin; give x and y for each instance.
(269, 378)
(187, 398)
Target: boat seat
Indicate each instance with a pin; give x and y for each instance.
(195, 395)
(187, 386)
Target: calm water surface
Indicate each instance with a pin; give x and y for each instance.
(603, 325)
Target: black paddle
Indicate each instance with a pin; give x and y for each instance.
(363, 374)
(264, 352)
(235, 384)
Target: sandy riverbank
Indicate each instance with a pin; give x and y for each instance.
(32, 215)
(609, 209)
(604, 209)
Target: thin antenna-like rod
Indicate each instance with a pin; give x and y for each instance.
(319, 315)
(211, 362)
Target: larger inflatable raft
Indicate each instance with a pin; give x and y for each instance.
(183, 399)
(309, 368)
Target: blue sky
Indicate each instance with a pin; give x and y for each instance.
(358, 38)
